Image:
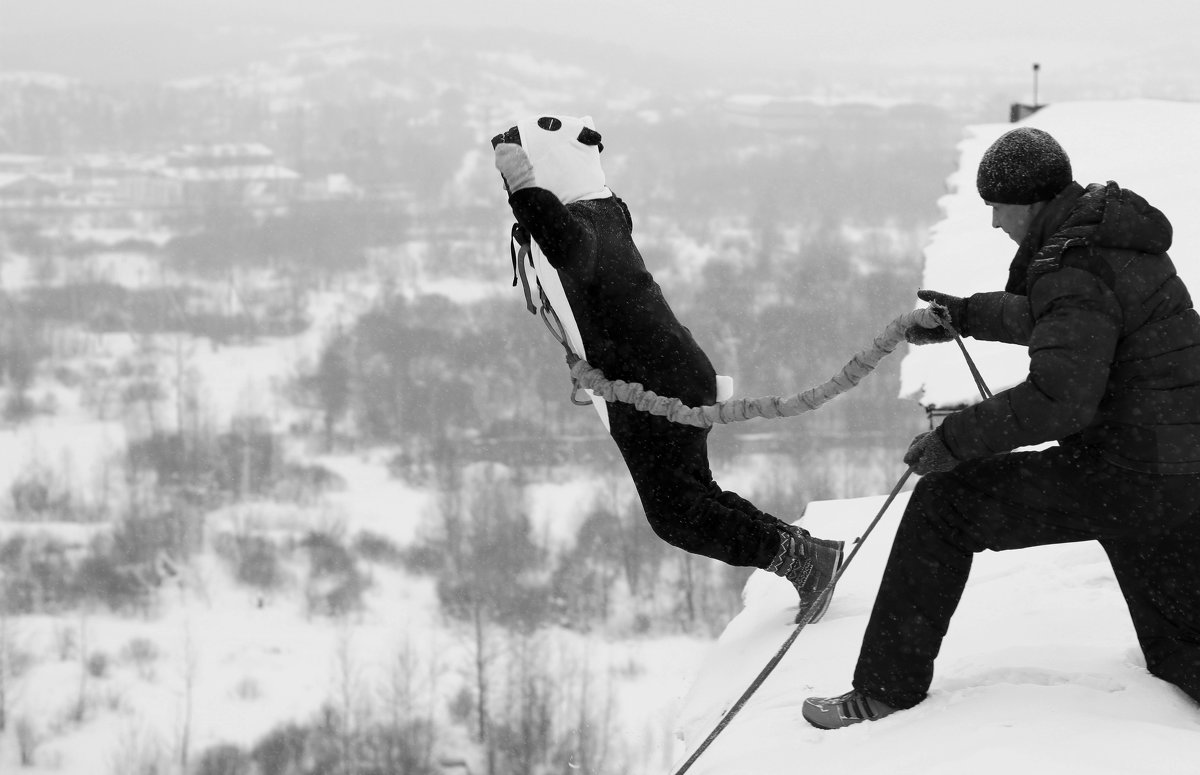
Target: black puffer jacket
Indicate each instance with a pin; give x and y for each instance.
(1114, 342)
(628, 329)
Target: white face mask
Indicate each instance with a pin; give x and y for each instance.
(561, 162)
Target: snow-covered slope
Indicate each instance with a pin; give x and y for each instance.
(1040, 673)
(1145, 145)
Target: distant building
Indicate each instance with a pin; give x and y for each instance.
(141, 193)
(28, 190)
(332, 187)
(20, 163)
(229, 174)
(1019, 111)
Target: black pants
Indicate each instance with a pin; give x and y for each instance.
(1148, 525)
(685, 507)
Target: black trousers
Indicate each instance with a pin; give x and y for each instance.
(1149, 526)
(684, 506)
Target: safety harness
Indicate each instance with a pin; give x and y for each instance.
(521, 251)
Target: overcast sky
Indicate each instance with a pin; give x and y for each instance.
(130, 37)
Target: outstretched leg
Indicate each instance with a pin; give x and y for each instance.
(670, 468)
(685, 507)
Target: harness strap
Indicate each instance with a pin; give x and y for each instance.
(520, 238)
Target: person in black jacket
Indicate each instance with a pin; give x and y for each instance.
(1114, 378)
(551, 171)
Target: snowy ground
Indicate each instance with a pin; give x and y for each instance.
(230, 664)
(1040, 673)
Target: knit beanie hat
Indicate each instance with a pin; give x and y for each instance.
(1024, 166)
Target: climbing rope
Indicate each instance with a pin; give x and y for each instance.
(585, 375)
(985, 392)
(787, 644)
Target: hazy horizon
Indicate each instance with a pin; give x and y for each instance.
(1082, 47)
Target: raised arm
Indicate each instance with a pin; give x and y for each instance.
(547, 219)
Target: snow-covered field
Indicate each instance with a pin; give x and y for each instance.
(229, 665)
(1041, 671)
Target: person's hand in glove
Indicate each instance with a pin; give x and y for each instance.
(956, 312)
(928, 454)
(514, 166)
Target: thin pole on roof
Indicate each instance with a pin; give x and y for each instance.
(1036, 67)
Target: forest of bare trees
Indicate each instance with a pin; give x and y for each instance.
(784, 252)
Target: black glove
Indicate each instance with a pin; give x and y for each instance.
(920, 335)
(955, 308)
(928, 453)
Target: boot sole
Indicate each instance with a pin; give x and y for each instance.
(822, 727)
(822, 602)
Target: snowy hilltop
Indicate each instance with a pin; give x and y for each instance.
(1041, 670)
(1040, 673)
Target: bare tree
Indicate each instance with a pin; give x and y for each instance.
(482, 657)
(332, 383)
(79, 710)
(407, 742)
(557, 712)
(589, 710)
(687, 588)
(189, 671)
(348, 691)
(14, 662)
(29, 738)
(525, 730)
(138, 750)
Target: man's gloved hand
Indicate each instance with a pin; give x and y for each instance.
(920, 335)
(928, 453)
(956, 310)
(514, 166)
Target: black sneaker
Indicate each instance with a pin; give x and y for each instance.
(851, 708)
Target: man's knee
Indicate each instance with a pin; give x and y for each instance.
(939, 509)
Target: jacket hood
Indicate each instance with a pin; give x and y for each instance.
(1108, 216)
(1100, 215)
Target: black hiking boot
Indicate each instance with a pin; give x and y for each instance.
(810, 564)
(851, 708)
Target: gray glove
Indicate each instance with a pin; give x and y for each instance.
(514, 166)
(928, 453)
(955, 309)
